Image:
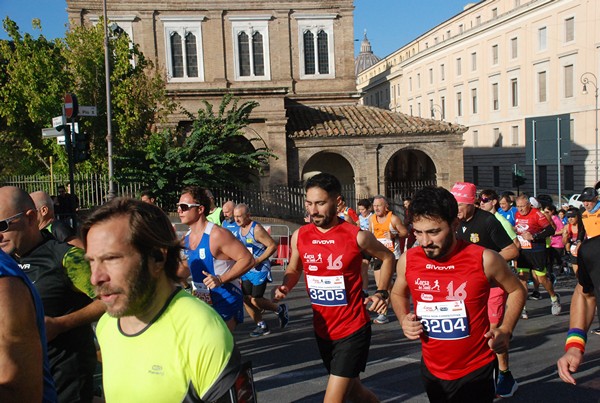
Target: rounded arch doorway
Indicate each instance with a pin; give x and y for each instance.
(331, 163)
(406, 172)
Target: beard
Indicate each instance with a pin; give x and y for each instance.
(438, 252)
(141, 288)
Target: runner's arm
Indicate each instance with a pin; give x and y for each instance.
(262, 236)
(400, 297)
(582, 311)
(21, 357)
(498, 272)
(368, 243)
(224, 245)
(292, 272)
(84, 316)
(400, 228)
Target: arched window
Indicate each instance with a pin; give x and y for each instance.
(191, 55)
(176, 55)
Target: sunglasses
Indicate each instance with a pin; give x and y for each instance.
(186, 206)
(484, 200)
(5, 224)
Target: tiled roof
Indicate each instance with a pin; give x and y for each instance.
(359, 120)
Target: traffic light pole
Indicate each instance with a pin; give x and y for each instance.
(70, 157)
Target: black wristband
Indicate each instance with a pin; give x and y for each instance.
(384, 293)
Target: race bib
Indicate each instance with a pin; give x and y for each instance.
(444, 320)
(388, 243)
(574, 249)
(326, 290)
(202, 292)
(525, 244)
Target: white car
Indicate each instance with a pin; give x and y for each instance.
(574, 201)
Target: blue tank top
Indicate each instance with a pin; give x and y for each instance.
(201, 259)
(231, 226)
(255, 247)
(9, 268)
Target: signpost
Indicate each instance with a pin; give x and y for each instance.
(87, 111)
(71, 107)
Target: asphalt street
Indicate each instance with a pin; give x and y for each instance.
(287, 367)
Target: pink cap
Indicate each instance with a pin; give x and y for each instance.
(464, 192)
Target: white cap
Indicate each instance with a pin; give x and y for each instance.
(534, 202)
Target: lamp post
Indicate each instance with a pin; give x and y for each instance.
(437, 108)
(111, 185)
(590, 78)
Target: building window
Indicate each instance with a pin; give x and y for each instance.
(251, 47)
(494, 55)
(475, 138)
(431, 109)
(410, 84)
(443, 105)
(541, 86)
(515, 135)
(460, 28)
(494, 12)
(475, 175)
(183, 44)
(458, 66)
(514, 92)
(496, 170)
(419, 108)
(442, 72)
(473, 61)
(497, 137)
(495, 100)
(543, 174)
(474, 100)
(514, 48)
(418, 80)
(542, 44)
(569, 177)
(430, 76)
(411, 113)
(459, 103)
(316, 44)
(478, 20)
(570, 29)
(568, 81)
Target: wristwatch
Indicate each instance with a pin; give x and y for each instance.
(384, 293)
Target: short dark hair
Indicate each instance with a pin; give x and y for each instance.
(434, 202)
(148, 193)
(366, 203)
(151, 230)
(490, 193)
(199, 195)
(327, 182)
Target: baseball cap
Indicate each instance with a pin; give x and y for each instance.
(464, 192)
(588, 194)
(571, 213)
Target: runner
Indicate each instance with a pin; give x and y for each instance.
(365, 211)
(449, 281)
(254, 282)
(389, 230)
(331, 261)
(159, 344)
(214, 257)
(46, 220)
(228, 220)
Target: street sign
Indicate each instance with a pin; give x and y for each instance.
(60, 140)
(51, 132)
(71, 105)
(57, 121)
(87, 111)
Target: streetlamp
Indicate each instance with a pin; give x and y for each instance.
(437, 108)
(109, 137)
(590, 78)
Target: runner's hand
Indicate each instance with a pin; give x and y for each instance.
(378, 305)
(498, 340)
(211, 281)
(412, 328)
(568, 364)
(279, 293)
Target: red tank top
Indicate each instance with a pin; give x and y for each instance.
(533, 222)
(451, 298)
(331, 263)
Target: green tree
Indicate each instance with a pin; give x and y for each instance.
(33, 80)
(214, 153)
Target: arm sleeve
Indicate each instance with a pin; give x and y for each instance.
(583, 275)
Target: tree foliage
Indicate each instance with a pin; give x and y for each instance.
(215, 152)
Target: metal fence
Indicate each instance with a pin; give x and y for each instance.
(286, 202)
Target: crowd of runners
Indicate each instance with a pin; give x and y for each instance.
(455, 266)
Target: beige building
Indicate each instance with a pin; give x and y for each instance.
(296, 60)
(511, 71)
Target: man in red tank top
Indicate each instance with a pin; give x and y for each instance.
(449, 281)
(329, 250)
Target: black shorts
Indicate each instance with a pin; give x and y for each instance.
(346, 357)
(255, 291)
(532, 259)
(478, 386)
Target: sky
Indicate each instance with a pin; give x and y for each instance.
(390, 24)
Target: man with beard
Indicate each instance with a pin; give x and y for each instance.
(329, 250)
(449, 280)
(61, 276)
(158, 343)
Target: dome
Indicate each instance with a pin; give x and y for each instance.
(365, 58)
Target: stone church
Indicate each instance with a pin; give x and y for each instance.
(296, 59)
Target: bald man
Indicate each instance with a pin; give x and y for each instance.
(47, 220)
(61, 276)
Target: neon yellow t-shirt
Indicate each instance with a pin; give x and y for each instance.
(187, 353)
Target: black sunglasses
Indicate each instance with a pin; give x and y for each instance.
(186, 206)
(5, 224)
(484, 199)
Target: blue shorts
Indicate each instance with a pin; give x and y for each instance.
(228, 302)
